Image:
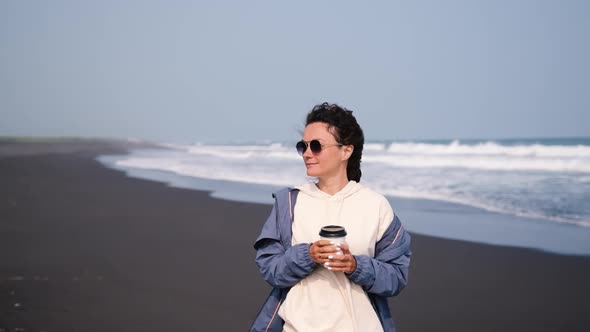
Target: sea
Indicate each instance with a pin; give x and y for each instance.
(532, 192)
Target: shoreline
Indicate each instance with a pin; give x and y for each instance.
(461, 222)
(85, 248)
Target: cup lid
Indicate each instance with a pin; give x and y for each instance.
(333, 231)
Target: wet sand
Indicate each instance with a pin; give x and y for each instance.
(85, 248)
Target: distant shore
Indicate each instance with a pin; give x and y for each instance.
(86, 248)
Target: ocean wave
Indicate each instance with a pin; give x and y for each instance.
(208, 172)
(482, 163)
(491, 149)
(374, 147)
(484, 156)
(473, 202)
(550, 188)
(240, 152)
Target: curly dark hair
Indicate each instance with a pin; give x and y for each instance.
(342, 124)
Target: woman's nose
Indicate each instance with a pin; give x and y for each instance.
(307, 153)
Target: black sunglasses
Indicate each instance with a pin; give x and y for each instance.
(314, 145)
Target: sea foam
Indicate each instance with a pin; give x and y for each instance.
(548, 181)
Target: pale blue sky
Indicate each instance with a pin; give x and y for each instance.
(250, 70)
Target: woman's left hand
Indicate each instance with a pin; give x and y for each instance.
(344, 262)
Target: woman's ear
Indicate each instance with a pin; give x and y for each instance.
(347, 151)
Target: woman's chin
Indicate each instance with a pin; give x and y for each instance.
(312, 174)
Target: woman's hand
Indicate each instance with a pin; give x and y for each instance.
(335, 257)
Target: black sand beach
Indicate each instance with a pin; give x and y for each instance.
(85, 248)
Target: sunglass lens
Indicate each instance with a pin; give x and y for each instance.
(301, 146)
(315, 146)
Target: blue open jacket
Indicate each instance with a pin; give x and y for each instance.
(283, 265)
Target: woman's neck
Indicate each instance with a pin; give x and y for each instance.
(332, 185)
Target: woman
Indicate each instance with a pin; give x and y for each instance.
(317, 285)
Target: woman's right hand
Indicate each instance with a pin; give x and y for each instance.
(321, 251)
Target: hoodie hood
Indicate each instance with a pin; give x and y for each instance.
(327, 208)
(311, 189)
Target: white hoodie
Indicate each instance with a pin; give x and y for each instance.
(327, 300)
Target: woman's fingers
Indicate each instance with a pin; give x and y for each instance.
(343, 261)
(344, 248)
(314, 252)
(336, 257)
(340, 257)
(323, 243)
(328, 249)
(321, 250)
(346, 265)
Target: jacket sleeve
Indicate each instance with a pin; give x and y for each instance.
(281, 265)
(387, 273)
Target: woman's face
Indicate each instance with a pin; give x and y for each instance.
(332, 159)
